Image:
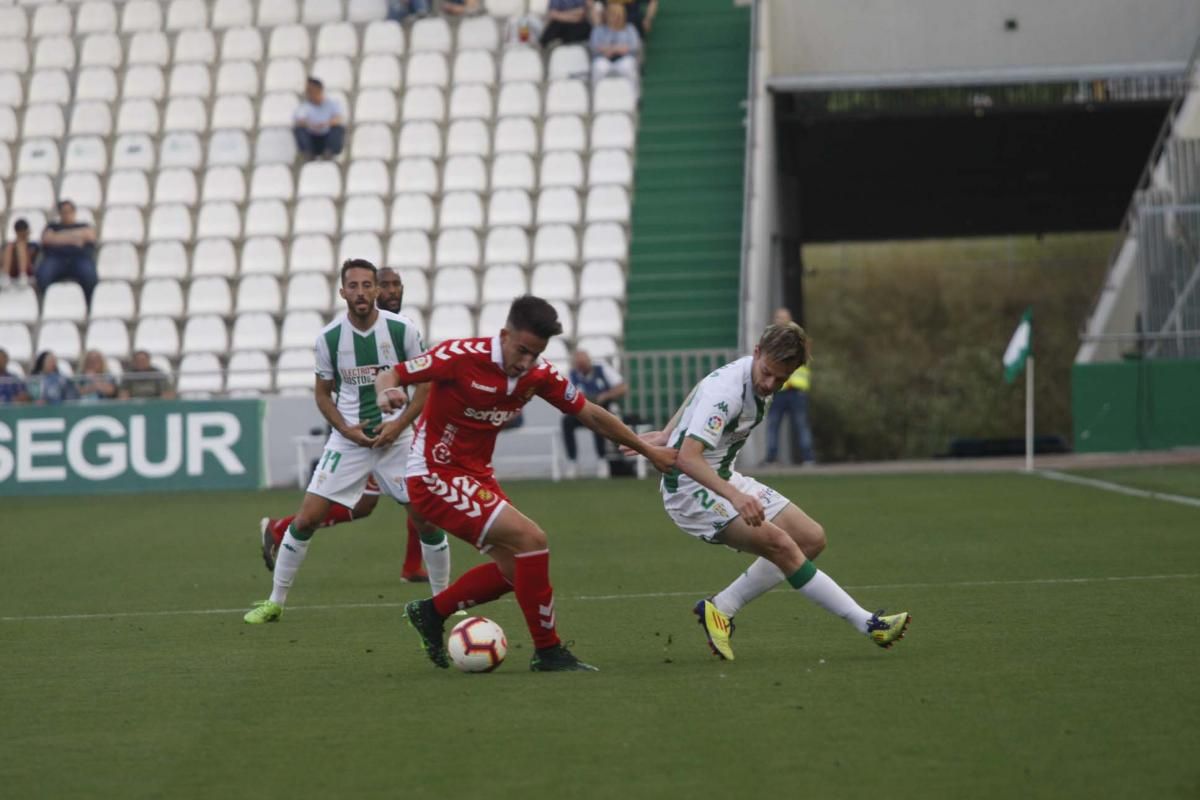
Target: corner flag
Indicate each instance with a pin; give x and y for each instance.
(1018, 347)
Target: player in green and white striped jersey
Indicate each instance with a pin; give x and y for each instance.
(349, 351)
(708, 499)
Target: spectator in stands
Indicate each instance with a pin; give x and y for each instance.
(399, 9)
(640, 13)
(142, 381)
(320, 128)
(47, 386)
(94, 382)
(604, 386)
(615, 46)
(19, 256)
(460, 8)
(791, 402)
(567, 21)
(12, 388)
(68, 252)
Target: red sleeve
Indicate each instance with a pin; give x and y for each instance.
(559, 392)
(431, 366)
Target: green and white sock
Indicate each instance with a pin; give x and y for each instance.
(822, 590)
(758, 579)
(292, 551)
(435, 549)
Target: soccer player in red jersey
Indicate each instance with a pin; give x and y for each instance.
(476, 386)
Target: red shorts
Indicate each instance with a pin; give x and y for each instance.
(458, 504)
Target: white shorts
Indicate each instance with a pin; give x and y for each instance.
(344, 467)
(700, 513)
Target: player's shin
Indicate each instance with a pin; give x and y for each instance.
(435, 548)
(480, 584)
(531, 582)
(822, 590)
(758, 579)
(291, 555)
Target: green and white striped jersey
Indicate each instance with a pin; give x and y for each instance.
(350, 358)
(720, 413)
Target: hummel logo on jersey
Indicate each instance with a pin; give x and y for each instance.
(492, 415)
(482, 388)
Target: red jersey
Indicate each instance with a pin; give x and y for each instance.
(470, 400)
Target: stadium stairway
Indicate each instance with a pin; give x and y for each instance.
(687, 218)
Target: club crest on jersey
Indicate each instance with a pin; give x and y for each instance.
(715, 424)
(419, 363)
(485, 496)
(572, 392)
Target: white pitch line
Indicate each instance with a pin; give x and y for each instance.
(606, 597)
(1095, 483)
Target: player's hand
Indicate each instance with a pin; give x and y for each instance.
(663, 458)
(388, 433)
(358, 436)
(653, 438)
(749, 509)
(392, 399)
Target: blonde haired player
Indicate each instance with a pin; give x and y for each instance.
(711, 501)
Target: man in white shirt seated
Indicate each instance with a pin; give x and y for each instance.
(320, 128)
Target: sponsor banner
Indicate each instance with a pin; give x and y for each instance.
(130, 447)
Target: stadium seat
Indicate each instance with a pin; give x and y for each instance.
(379, 71)
(602, 348)
(510, 207)
(101, 50)
(375, 105)
(455, 285)
(277, 12)
(183, 114)
(39, 156)
(14, 23)
(205, 333)
(450, 322)
(471, 101)
(180, 149)
(464, 173)
(562, 168)
(14, 56)
(416, 289)
(235, 112)
(238, 77)
(469, 137)
(611, 130)
(224, 183)
(284, 75)
(19, 304)
(300, 329)
(266, 218)
(143, 82)
(138, 116)
(61, 338)
(457, 247)
(96, 16)
(412, 211)
(64, 300)
(214, 257)
(519, 100)
(602, 279)
(564, 132)
(277, 109)
(409, 250)
(170, 222)
(319, 12)
(555, 243)
(295, 371)
(95, 83)
(337, 39)
(556, 353)
(427, 69)
(384, 36)
(50, 86)
(604, 241)
(44, 120)
(258, 293)
(416, 175)
(430, 34)
(461, 210)
(502, 284)
(512, 171)
(128, 187)
(12, 94)
(109, 336)
(610, 167)
(315, 215)
(308, 291)
(275, 146)
(182, 14)
(161, 297)
(141, 15)
(558, 205)
(522, 63)
(51, 20)
(263, 255)
(364, 214)
(366, 10)
(209, 296)
(190, 80)
(423, 103)
(8, 122)
(508, 245)
(123, 224)
(320, 179)
(373, 141)
(515, 135)
(271, 182)
(335, 72)
(569, 61)
(419, 140)
(567, 97)
(492, 317)
(33, 191)
(165, 260)
(608, 204)
(219, 219)
(229, 147)
(82, 187)
(54, 52)
(232, 14)
(148, 49)
(311, 253)
(175, 186)
(117, 261)
(360, 245)
(615, 94)
(248, 374)
(133, 151)
(241, 45)
(289, 41)
(553, 281)
(600, 318)
(369, 177)
(199, 376)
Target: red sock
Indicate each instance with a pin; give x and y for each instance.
(536, 596)
(480, 584)
(279, 528)
(336, 514)
(412, 552)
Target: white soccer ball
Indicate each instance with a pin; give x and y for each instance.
(477, 645)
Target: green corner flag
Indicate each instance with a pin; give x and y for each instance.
(1018, 347)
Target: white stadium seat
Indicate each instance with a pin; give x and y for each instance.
(238, 77)
(205, 333)
(101, 50)
(275, 146)
(199, 376)
(8, 123)
(229, 147)
(521, 63)
(379, 71)
(335, 72)
(175, 186)
(416, 289)
(165, 260)
(33, 191)
(502, 284)
(569, 61)
(133, 151)
(14, 56)
(262, 255)
(157, 336)
(96, 83)
(258, 293)
(161, 297)
(12, 94)
(555, 243)
(464, 173)
(601, 279)
(430, 33)
(450, 322)
(196, 46)
(141, 15)
(123, 224)
(360, 245)
(308, 291)
(318, 12)
(615, 94)
(183, 114)
(565, 317)
(128, 187)
(180, 149)
(232, 14)
(564, 132)
(295, 371)
(457, 247)
(82, 187)
(600, 318)
(420, 140)
(412, 211)
(189, 80)
(375, 105)
(241, 44)
(320, 179)
(409, 250)
(366, 10)
(461, 210)
(183, 14)
(611, 130)
(117, 261)
(214, 257)
(289, 41)
(312, 253)
(479, 33)
(384, 36)
(472, 101)
(219, 220)
(567, 97)
(367, 176)
(109, 336)
(89, 117)
(455, 285)
(64, 300)
(469, 137)
(605, 241)
(145, 82)
(337, 39)
(50, 86)
(553, 281)
(608, 204)
(138, 116)
(315, 215)
(112, 299)
(235, 112)
(372, 141)
(271, 182)
(284, 75)
(610, 167)
(224, 183)
(509, 245)
(38, 156)
(148, 48)
(61, 338)
(248, 374)
(427, 69)
(277, 12)
(423, 103)
(562, 168)
(266, 218)
(44, 120)
(14, 23)
(364, 214)
(54, 52)
(416, 175)
(510, 207)
(515, 135)
(96, 16)
(558, 205)
(51, 20)
(209, 295)
(512, 171)
(278, 109)
(519, 100)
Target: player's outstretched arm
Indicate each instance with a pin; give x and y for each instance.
(610, 427)
(691, 462)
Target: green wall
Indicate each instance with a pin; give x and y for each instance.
(1136, 405)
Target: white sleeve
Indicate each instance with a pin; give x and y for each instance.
(712, 410)
(323, 359)
(414, 345)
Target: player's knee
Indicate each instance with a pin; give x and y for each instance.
(532, 539)
(782, 551)
(815, 541)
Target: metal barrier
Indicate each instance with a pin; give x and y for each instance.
(1168, 265)
(660, 380)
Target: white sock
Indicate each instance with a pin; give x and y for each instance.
(437, 564)
(758, 579)
(824, 591)
(291, 555)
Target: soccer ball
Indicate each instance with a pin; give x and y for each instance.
(477, 645)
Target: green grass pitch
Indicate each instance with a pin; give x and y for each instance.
(1053, 653)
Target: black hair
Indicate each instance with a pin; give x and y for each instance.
(312, 81)
(533, 315)
(357, 263)
(21, 225)
(65, 202)
(40, 362)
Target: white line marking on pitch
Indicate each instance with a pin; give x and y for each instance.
(604, 597)
(1095, 483)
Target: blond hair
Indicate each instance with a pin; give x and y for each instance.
(786, 343)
